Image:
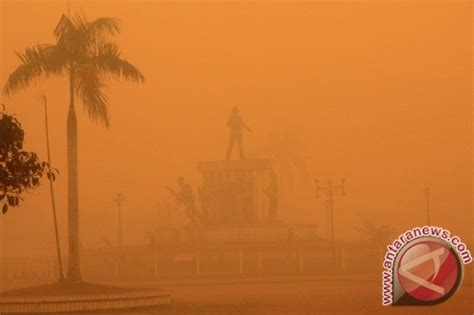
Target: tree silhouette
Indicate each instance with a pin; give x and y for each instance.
(85, 54)
(20, 170)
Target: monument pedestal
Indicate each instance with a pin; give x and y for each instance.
(233, 192)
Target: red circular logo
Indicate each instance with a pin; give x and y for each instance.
(429, 271)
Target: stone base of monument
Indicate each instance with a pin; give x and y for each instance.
(80, 297)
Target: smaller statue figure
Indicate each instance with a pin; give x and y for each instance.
(185, 197)
(205, 200)
(272, 192)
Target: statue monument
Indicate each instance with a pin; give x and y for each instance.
(237, 192)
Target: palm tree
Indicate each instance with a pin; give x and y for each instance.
(378, 234)
(84, 53)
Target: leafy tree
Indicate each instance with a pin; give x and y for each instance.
(85, 53)
(20, 170)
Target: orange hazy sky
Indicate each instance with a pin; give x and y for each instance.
(378, 92)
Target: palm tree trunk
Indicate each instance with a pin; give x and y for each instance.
(74, 267)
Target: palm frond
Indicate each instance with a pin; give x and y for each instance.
(107, 61)
(71, 37)
(66, 28)
(88, 86)
(79, 36)
(104, 26)
(36, 62)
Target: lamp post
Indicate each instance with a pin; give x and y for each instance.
(51, 190)
(119, 199)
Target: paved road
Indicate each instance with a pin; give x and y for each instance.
(296, 297)
(290, 296)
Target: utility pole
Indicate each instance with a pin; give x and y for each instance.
(50, 176)
(119, 199)
(330, 190)
(328, 219)
(427, 199)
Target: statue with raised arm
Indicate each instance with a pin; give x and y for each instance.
(235, 124)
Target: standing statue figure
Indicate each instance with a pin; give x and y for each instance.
(272, 193)
(235, 124)
(185, 197)
(204, 193)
